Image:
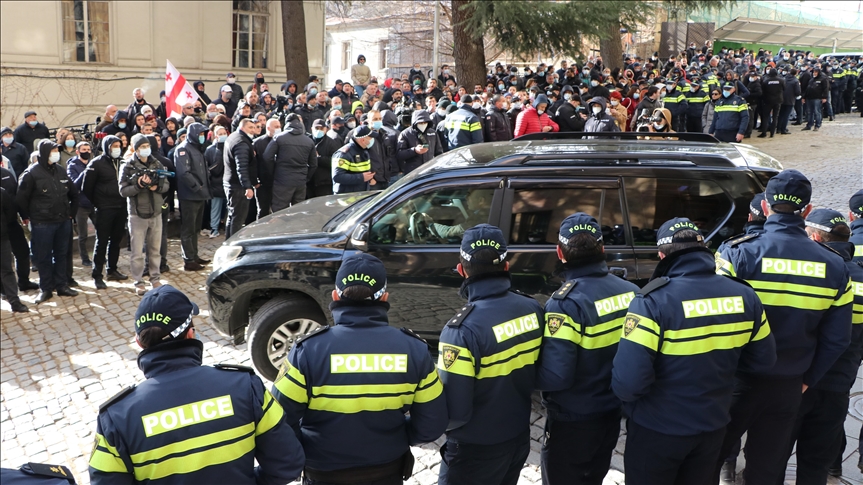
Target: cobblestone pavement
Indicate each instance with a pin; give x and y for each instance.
(68, 355)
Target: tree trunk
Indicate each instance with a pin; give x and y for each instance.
(610, 47)
(468, 49)
(294, 39)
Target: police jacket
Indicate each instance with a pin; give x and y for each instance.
(684, 337)
(730, 114)
(497, 127)
(142, 202)
(841, 376)
(462, 128)
(193, 177)
(214, 156)
(411, 137)
(487, 355)
(857, 238)
(240, 163)
(188, 423)
(292, 156)
(792, 90)
(45, 192)
(798, 281)
(695, 101)
(583, 322)
(37, 474)
(839, 80)
(346, 389)
(349, 164)
(101, 178)
(676, 100)
(773, 88)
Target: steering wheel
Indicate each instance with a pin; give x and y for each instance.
(421, 229)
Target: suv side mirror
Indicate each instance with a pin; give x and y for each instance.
(359, 238)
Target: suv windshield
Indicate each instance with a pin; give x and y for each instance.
(356, 204)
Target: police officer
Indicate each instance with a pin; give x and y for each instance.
(462, 127)
(798, 281)
(188, 423)
(37, 474)
(346, 388)
(583, 320)
(487, 355)
(731, 116)
(684, 336)
(352, 165)
(855, 215)
(676, 101)
(696, 98)
(819, 430)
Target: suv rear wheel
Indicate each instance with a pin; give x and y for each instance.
(275, 328)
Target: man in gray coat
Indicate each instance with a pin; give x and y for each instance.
(292, 156)
(193, 190)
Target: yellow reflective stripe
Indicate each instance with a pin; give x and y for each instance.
(475, 126)
(699, 99)
(729, 107)
(724, 267)
(463, 363)
(857, 314)
(193, 443)
(352, 405)
(512, 359)
(295, 373)
(290, 388)
(429, 388)
(705, 345)
(361, 166)
(353, 390)
(793, 288)
(794, 301)
(603, 334)
(104, 444)
(196, 461)
(106, 462)
(645, 333)
(846, 297)
(763, 332)
(708, 330)
(273, 413)
(858, 250)
(566, 329)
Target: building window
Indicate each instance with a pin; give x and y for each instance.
(85, 31)
(346, 55)
(251, 18)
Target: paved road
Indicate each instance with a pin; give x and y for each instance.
(59, 362)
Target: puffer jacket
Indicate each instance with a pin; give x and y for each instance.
(142, 202)
(193, 178)
(530, 121)
(101, 178)
(409, 138)
(45, 192)
(599, 122)
(292, 156)
(707, 116)
(792, 90)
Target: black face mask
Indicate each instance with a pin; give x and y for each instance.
(84, 155)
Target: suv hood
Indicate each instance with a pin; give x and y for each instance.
(305, 218)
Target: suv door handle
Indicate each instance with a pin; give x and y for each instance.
(619, 272)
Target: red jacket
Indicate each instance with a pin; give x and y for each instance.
(529, 122)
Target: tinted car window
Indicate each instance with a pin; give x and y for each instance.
(653, 201)
(436, 217)
(537, 213)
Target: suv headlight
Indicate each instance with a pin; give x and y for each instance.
(225, 255)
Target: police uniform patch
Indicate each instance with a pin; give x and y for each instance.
(564, 290)
(554, 324)
(343, 162)
(747, 237)
(450, 354)
(56, 471)
(629, 324)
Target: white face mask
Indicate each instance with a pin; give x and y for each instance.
(276, 131)
(116, 152)
(477, 105)
(422, 127)
(596, 109)
(614, 102)
(539, 112)
(441, 112)
(144, 153)
(54, 158)
(8, 140)
(659, 126)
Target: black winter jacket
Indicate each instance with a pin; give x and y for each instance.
(410, 138)
(45, 192)
(26, 136)
(818, 87)
(325, 147)
(101, 180)
(239, 155)
(497, 127)
(792, 90)
(292, 156)
(214, 155)
(114, 127)
(773, 88)
(193, 176)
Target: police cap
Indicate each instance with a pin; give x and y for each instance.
(579, 223)
(483, 236)
(667, 232)
(825, 219)
(856, 204)
(789, 187)
(364, 270)
(362, 131)
(165, 307)
(755, 204)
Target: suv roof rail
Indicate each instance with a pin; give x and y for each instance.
(622, 135)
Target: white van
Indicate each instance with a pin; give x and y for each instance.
(842, 55)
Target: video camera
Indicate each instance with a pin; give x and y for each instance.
(282, 109)
(644, 120)
(153, 174)
(404, 112)
(81, 131)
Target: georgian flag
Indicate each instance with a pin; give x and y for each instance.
(178, 92)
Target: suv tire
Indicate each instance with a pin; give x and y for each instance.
(276, 326)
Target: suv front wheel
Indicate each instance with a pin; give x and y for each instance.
(275, 328)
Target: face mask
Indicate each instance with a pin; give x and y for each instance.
(222, 138)
(659, 126)
(313, 91)
(594, 83)
(500, 87)
(422, 127)
(121, 125)
(585, 71)
(635, 95)
(726, 94)
(212, 114)
(614, 102)
(8, 140)
(232, 80)
(371, 143)
(441, 112)
(319, 134)
(199, 110)
(352, 125)
(661, 95)
(532, 96)
(144, 152)
(84, 156)
(70, 143)
(567, 96)
(446, 71)
(751, 79)
(53, 158)
(596, 110)
(377, 125)
(33, 123)
(477, 105)
(202, 139)
(516, 105)
(115, 152)
(337, 107)
(162, 99)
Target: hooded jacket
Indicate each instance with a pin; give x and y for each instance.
(410, 138)
(601, 121)
(325, 147)
(214, 156)
(142, 202)
(240, 163)
(101, 178)
(114, 127)
(287, 86)
(773, 88)
(792, 90)
(201, 93)
(530, 121)
(17, 153)
(193, 177)
(45, 192)
(292, 156)
(666, 115)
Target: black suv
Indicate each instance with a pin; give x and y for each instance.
(276, 275)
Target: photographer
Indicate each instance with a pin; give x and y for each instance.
(660, 122)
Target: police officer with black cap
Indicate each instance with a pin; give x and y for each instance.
(487, 362)
(37, 474)
(855, 215)
(806, 292)
(583, 322)
(684, 336)
(731, 116)
(346, 389)
(352, 164)
(819, 430)
(188, 423)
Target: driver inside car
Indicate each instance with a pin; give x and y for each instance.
(420, 226)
